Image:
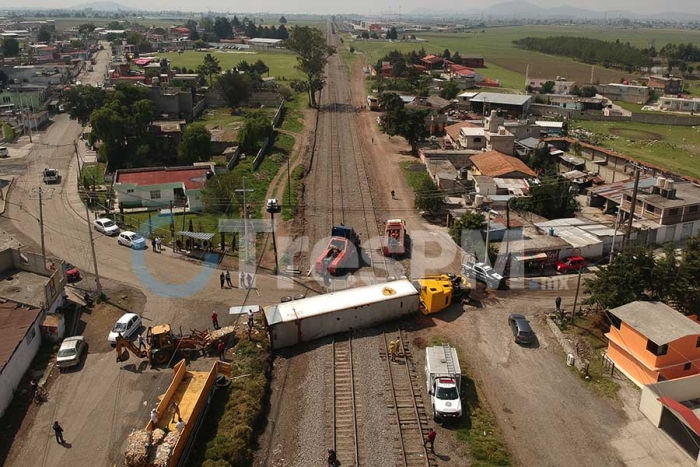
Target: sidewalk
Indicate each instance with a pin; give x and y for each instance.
(5, 185)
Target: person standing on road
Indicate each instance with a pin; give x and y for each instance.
(249, 280)
(154, 417)
(558, 304)
(431, 439)
(153, 244)
(222, 279)
(159, 243)
(215, 320)
(228, 279)
(222, 351)
(142, 342)
(58, 431)
(393, 194)
(241, 279)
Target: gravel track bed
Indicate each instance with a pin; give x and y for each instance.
(377, 435)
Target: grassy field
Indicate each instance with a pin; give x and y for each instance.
(508, 64)
(674, 147)
(282, 65)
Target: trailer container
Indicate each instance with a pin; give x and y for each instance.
(311, 318)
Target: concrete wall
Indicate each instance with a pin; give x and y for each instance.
(6, 260)
(55, 279)
(18, 364)
(194, 200)
(141, 196)
(682, 389)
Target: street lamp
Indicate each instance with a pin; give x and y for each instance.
(273, 208)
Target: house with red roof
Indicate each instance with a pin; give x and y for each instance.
(432, 62)
(162, 187)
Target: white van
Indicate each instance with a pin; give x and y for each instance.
(4, 152)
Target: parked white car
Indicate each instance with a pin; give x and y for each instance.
(132, 240)
(127, 325)
(4, 152)
(106, 226)
(70, 351)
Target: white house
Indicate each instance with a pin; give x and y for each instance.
(162, 187)
(20, 340)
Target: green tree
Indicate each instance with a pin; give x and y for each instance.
(222, 28)
(552, 198)
(251, 30)
(469, 222)
(427, 196)
(219, 193)
(446, 54)
(313, 52)
(86, 28)
(282, 33)
(81, 101)
(206, 24)
(10, 47)
(686, 291)
(542, 162)
(399, 68)
(450, 91)
(195, 145)
(392, 34)
(256, 127)
(209, 67)
(234, 88)
(364, 35)
(45, 33)
(627, 279)
(411, 125)
(547, 87)
(283, 20)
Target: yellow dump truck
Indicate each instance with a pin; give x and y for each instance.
(164, 443)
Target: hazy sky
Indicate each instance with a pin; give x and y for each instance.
(368, 6)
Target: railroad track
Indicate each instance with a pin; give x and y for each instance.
(407, 407)
(345, 414)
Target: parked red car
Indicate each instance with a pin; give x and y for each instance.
(572, 263)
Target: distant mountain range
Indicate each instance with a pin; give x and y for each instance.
(103, 6)
(526, 10)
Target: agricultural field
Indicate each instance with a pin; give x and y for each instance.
(65, 23)
(508, 63)
(282, 65)
(674, 147)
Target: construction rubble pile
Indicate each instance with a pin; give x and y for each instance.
(221, 333)
(150, 448)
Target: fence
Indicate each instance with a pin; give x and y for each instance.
(636, 117)
(268, 142)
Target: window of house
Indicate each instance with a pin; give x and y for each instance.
(673, 212)
(477, 140)
(30, 336)
(6, 99)
(650, 208)
(155, 194)
(129, 190)
(687, 366)
(697, 344)
(693, 209)
(657, 350)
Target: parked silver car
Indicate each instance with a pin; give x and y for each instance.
(70, 351)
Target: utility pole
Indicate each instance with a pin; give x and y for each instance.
(488, 230)
(272, 208)
(245, 220)
(578, 287)
(41, 224)
(94, 257)
(617, 226)
(633, 205)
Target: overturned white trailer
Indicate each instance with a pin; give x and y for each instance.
(311, 318)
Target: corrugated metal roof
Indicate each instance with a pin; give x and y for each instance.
(15, 322)
(505, 99)
(336, 301)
